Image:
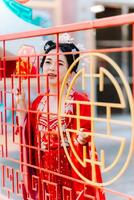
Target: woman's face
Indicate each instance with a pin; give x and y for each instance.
(50, 67)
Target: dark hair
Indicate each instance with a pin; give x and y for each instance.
(65, 47)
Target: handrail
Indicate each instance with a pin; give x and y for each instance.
(92, 24)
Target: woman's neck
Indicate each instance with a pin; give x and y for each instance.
(54, 90)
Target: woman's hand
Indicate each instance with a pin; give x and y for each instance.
(83, 137)
(20, 98)
(20, 105)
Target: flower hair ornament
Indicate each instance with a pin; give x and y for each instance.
(66, 38)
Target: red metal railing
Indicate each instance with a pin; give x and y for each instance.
(11, 178)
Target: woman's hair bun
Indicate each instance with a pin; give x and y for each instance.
(48, 44)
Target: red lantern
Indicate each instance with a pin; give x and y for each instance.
(25, 66)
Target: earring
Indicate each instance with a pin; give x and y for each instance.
(68, 82)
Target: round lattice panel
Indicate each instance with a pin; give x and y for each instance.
(92, 75)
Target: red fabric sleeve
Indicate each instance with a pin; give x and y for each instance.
(85, 110)
(28, 153)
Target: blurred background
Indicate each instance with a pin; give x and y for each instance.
(37, 14)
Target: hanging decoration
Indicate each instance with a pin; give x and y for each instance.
(26, 13)
(22, 1)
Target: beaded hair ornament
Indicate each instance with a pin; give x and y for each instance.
(66, 38)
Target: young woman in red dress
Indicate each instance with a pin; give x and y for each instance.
(47, 173)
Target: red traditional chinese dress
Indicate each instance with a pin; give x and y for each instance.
(52, 176)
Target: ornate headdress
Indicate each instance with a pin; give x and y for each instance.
(66, 38)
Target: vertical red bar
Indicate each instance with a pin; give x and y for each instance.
(1, 124)
(48, 111)
(29, 127)
(0, 70)
(3, 176)
(4, 100)
(1, 97)
(133, 60)
(38, 77)
(58, 94)
(12, 109)
(19, 76)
